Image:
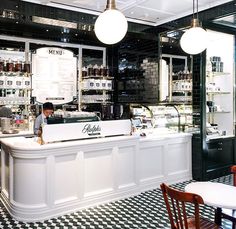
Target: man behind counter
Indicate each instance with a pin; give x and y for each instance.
(42, 118)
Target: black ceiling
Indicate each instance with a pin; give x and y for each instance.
(16, 19)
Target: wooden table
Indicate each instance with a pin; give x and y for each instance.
(215, 194)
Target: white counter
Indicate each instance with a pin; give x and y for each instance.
(43, 181)
(21, 133)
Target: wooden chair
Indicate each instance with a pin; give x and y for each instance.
(227, 213)
(175, 203)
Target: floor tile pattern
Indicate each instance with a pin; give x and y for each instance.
(144, 211)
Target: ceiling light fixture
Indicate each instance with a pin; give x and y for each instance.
(194, 40)
(111, 26)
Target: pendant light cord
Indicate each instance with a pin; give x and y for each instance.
(197, 9)
(193, 8)
(195, 14)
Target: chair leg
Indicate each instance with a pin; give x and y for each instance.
(218, 212)
(233, 225)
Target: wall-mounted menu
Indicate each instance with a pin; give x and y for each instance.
(55, 75)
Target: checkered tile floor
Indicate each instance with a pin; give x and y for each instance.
(144, 211)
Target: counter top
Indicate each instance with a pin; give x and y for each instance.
(30, 143)
(151, 137)
(21, 133)
(159, 133)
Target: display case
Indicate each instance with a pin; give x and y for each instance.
(220, 85)
(175, 79)
(15, 88)
(165, 117)
(95, 84)
(213, 148)
(15, 78)
(174, 117)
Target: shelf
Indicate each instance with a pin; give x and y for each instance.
(186, 80)
(98, 77)
(100, 90)
(182, 90)
(219, 112)
(97, 102)
(217, 74)
(219, 92)
(15, 88)
(13, 74)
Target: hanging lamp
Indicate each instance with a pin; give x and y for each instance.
(111, 26)
(195, 39)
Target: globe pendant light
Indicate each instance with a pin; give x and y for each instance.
(111, 26)
(195, 39)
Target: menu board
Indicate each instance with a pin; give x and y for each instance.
(54, 75)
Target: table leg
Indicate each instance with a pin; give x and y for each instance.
(218, 212)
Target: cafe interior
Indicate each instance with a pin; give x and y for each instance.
(142, 132)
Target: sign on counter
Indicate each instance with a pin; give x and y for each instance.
(82, 130)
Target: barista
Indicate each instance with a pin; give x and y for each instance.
(42, 118)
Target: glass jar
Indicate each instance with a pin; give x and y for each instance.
(10, 66)
(90, 70)
(84, 72)
(18, 66)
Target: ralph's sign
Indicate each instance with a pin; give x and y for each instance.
(91, 129)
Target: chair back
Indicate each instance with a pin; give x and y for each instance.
(175, 203)
(233, 171)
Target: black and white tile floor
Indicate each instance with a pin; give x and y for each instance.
(144, 211)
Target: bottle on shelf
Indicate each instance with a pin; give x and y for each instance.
(96, 70)
(26, 67)
(18, 66)
(90, 70)
(84, 72)
(1, 65)
(10, 65)
(103, 71)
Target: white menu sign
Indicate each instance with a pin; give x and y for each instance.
(54, 75)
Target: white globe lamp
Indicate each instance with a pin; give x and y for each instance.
(195, 39)
(111, 26)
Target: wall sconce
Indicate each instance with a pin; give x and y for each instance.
(111, 26)
(195, 39)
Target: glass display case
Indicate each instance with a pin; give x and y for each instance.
(95, 83)
(166, 117)
(175, 70)
(175, 79)
(220, 85)
(15, 87)
(213, 148)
